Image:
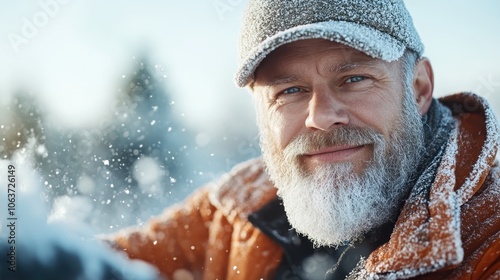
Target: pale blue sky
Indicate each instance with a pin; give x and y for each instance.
(77, 52)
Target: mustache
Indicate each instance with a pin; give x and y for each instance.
(346, 135)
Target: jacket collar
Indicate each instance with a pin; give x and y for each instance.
(427, 237)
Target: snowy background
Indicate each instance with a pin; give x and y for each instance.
(116, 110)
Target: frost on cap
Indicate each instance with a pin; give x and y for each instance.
(380, 28)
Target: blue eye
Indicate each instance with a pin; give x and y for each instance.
(355, 79)
(291, 90)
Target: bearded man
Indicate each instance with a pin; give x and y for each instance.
(363, 173)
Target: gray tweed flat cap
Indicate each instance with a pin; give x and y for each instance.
(380, 28)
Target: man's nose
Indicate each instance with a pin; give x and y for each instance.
(325, 111)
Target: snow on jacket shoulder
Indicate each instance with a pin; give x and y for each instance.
(208, 236)
(452, 234)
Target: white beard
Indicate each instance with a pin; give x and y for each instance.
(336, 205)
(332, 204)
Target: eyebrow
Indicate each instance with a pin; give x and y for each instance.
(281, 80)
(344, 67)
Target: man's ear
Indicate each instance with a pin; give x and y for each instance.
(423, 84)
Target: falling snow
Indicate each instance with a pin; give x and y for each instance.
(141, 157)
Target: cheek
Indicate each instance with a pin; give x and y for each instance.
(274, 128)
(381, 113)
(281, 129)
(277, 127)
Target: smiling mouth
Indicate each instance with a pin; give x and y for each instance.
(334, 154)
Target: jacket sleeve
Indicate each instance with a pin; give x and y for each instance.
(175, 242)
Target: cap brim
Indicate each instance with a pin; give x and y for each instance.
(366, 39)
